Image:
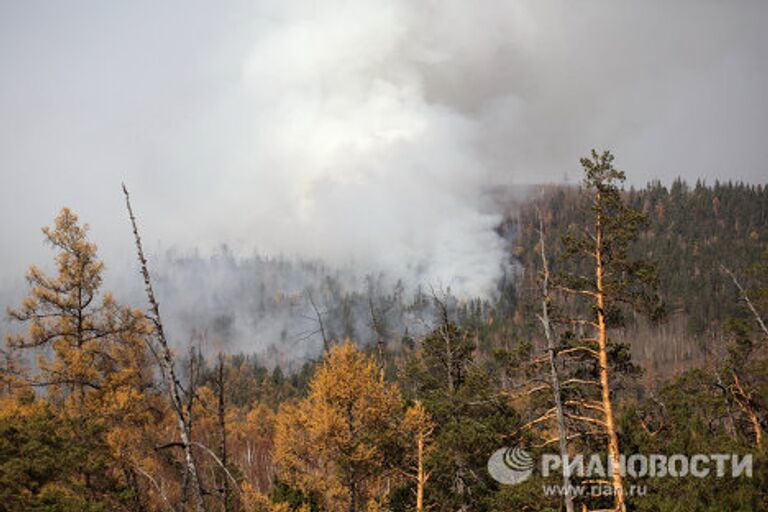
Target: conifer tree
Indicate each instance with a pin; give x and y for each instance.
(84, 332)
(471, 419)
(91, 353)
(334, 442)
(607, 279)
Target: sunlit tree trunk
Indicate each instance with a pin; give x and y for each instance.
(602, 348)
(421, 479)
(419, 423)
(744, 401)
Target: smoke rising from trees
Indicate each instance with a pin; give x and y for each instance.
(367, 134)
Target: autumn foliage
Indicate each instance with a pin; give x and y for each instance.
(99, 412)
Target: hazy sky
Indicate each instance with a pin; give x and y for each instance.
(358, 130)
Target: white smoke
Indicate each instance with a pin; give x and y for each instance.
(369, 134)
(333, 150)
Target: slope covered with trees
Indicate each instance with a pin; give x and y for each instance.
(635, 324)
(690, 233)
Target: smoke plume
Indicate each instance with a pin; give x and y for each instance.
(371, 134)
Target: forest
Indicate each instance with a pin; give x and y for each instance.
(629, 321)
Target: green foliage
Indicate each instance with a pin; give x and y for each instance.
(51, 464)
(689, 415)
(689, 232)
(628, 282)
(295, 498)
(471, 418)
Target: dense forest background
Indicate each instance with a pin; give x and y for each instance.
(384, 396)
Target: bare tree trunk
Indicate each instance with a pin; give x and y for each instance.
(421, 476)
(562, 431)
(605, 387)
(746, 298)
(446, 336)
(223, 432)
(166, 362)
(190, 400)
(744, 400)
(377, 330)
(321, 324)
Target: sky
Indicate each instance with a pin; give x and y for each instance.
(365, 132)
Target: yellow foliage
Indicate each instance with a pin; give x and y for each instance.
(331, 442)
(95, 364)
(417, 420)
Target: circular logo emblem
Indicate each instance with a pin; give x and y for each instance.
(510, 465)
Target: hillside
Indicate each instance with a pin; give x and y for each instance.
(690, 232)
(354, 382)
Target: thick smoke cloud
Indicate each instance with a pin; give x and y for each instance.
(343, 156)
(370, 133)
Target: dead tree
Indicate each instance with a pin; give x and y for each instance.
(320, 322)
(453, 344)
(222, 432)
(741, 395)
(379, 328)
(190, 395)
(554, 374)
(167, 365)
(746, 299)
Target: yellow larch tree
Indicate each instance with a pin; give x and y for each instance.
(92, 357)
(334, 442)
(90, 338)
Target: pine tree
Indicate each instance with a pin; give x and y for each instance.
(471, 419)
(608, 280)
